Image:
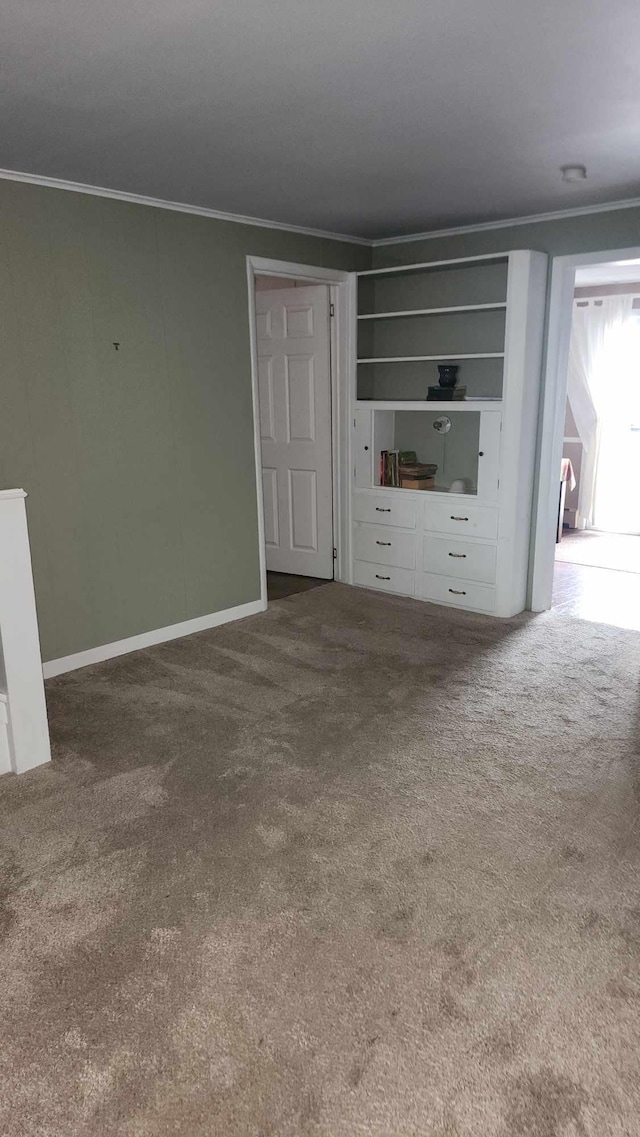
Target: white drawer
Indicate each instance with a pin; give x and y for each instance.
(468, 559)
(461, 593)
(385, 577)
(384, 545)
(458, 516)
(385, 509)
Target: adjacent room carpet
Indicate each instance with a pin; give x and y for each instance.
(355, 866)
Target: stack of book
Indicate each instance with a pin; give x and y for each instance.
(400, 468)
(418, 477)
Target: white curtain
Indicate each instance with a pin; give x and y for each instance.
(596, 356)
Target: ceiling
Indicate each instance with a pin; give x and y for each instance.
(363, 117)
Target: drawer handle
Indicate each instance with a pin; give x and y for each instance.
(384, 543)
(459, 518)
(379, 509)
(378, 577)
(457, 592)
(458, 555)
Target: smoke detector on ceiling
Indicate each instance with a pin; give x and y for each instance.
(573, 173)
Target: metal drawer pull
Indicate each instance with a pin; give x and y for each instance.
(457, 592)
(384, 543)
(379, 509)
(459, 518)
(378, 577)
(459, 555)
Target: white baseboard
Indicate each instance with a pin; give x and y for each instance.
(149, 639)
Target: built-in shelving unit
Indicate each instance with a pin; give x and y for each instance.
(464, 540)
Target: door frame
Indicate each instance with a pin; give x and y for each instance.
(554, 398)
(339, 355)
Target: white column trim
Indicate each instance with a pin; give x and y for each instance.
(24, 727)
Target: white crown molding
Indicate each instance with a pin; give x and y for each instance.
(177, 206)
(509, 222)
(375, 243)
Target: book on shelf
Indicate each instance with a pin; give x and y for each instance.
(389, 468)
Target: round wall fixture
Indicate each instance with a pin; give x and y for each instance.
(442, 425)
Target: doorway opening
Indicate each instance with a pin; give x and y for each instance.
(295, 362)
(596, 566)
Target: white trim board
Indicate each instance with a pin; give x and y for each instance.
(176, 206)
(150, 639)
(554, 398)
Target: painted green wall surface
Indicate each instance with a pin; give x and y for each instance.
(138, 461)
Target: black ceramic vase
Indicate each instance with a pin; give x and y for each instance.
(448, 374)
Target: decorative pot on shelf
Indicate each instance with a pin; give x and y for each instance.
(448, 374)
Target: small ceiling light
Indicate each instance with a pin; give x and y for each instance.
(573, 173)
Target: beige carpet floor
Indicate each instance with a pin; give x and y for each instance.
(355, 866)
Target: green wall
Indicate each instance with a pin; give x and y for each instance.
(139, 461)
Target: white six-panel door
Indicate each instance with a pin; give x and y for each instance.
(294, 384)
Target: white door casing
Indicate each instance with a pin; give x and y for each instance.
(294, 386)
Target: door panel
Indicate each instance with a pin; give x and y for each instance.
(300, 393)
(302, 510)
(294, 387)
(265, 390)
(270, 496)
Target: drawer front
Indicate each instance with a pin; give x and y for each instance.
(466, 559)
(461, 593)
(384, 545)
(385, 509)
(385, 577)
(462, 518)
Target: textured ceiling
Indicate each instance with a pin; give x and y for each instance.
(364, 117)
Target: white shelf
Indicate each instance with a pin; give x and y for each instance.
(434, 311)
(434, 264)
(430, 405)
(437, 491)
(442, 358)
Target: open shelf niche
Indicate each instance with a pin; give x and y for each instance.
(410, 320)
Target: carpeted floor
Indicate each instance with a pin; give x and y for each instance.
(355, 866)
